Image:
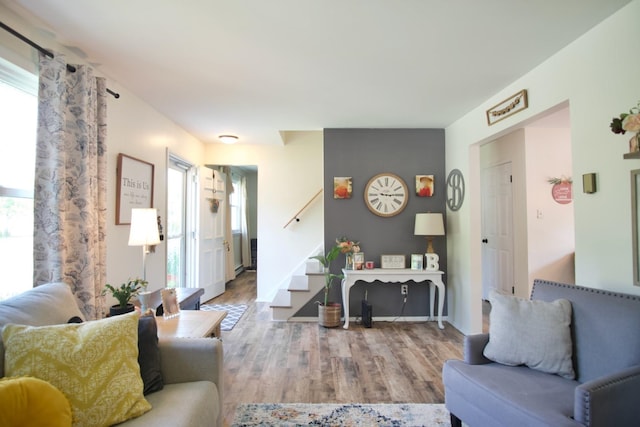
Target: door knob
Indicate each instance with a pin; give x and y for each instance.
(485, 240)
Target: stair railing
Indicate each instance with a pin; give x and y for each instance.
(297, 214)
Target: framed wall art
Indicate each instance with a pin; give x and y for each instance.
(635, 224)
(512, 105)
(134, 188)
(342, 187)
(424, 185)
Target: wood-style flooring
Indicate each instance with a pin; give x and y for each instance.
(291, 362)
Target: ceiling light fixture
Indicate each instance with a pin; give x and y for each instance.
(228, 139)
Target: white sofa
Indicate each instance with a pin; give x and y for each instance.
(191, 367)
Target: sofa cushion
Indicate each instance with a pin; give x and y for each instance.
(499, 395)
(48, 304)
(194, 403)
(27, 401)
(532, 333)
(95, 365)
(149, 354)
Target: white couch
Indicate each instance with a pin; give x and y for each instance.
(191, 367)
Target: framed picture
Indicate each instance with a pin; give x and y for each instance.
(392, 261)
(342, 187)
(134, 187)
(424, 185)
(170, 306)
(512, 105)
(417, 261)
(358, 260)
(635, 224)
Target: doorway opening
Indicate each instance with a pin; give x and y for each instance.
(533, 236)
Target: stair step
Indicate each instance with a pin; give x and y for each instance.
(281, 300)
(299, 284)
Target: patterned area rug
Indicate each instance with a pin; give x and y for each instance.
(355, 414)
(234, 313)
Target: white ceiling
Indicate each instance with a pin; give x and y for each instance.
(255, 68)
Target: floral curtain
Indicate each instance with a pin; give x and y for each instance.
(70, 185)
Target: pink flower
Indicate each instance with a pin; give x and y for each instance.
(631, 123)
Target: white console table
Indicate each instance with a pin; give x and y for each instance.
(389, 275)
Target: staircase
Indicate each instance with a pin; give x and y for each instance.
(303, 286)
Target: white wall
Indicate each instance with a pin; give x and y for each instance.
(134, 129)
(288, 176)
(550, 225)
(599, 76)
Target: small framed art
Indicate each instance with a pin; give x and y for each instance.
(392, 261)
(170, 306)
(424, 185)
(417, 261)
(342, 187)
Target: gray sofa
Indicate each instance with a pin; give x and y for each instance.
(191, 367)
(605, 334)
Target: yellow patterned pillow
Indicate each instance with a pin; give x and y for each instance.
(26, 401)
(95, 365)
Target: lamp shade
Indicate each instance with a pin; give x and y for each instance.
(144, 227)
(429, 224)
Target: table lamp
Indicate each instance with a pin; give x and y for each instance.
(144, 232)
(429, 224)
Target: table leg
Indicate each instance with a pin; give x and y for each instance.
(441, 292)
(432, 298)
(345, 301)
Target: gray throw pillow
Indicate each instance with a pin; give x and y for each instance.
(532, 333)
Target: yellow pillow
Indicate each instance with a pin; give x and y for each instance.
(95, 365)
(32, 402)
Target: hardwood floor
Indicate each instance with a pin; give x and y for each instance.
(291, 362)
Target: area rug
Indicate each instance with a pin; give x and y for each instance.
(234, 313)
(353, 414)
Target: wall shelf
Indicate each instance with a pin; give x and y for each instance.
(634, 155)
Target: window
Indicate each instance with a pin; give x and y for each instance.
(18, 122)
(235, 202)
(181, 241)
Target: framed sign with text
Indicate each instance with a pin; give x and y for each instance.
(134, 188)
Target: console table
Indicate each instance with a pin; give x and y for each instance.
(388, 275)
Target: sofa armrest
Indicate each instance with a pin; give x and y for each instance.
(191, 359)
(610, 400)
(473, 348)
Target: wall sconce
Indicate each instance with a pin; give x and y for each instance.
(589, 183)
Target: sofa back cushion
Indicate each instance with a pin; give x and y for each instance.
(604, 333)
(43, 305)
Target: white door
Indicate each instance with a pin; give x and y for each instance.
(497, 230)
(212, 246)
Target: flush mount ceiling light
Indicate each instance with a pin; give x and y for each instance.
(228, 139)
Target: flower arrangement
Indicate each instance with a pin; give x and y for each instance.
(627, 122)
(347, 246)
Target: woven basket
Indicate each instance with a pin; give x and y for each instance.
(329, 316)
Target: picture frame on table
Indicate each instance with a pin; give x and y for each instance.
(392, 261)
(417, 261)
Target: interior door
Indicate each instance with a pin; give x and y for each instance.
(212, 243)
(497, 230)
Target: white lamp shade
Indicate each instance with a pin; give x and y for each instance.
(144, 227)
(429, 224)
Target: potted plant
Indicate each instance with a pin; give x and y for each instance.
(329, 312)
(123, 294)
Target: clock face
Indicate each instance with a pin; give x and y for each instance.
(386, 194)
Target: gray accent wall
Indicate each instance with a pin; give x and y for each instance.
(362, 154)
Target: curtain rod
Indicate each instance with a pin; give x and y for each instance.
(42, 50)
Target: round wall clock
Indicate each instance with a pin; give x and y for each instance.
(455, 189)
(386, 194)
